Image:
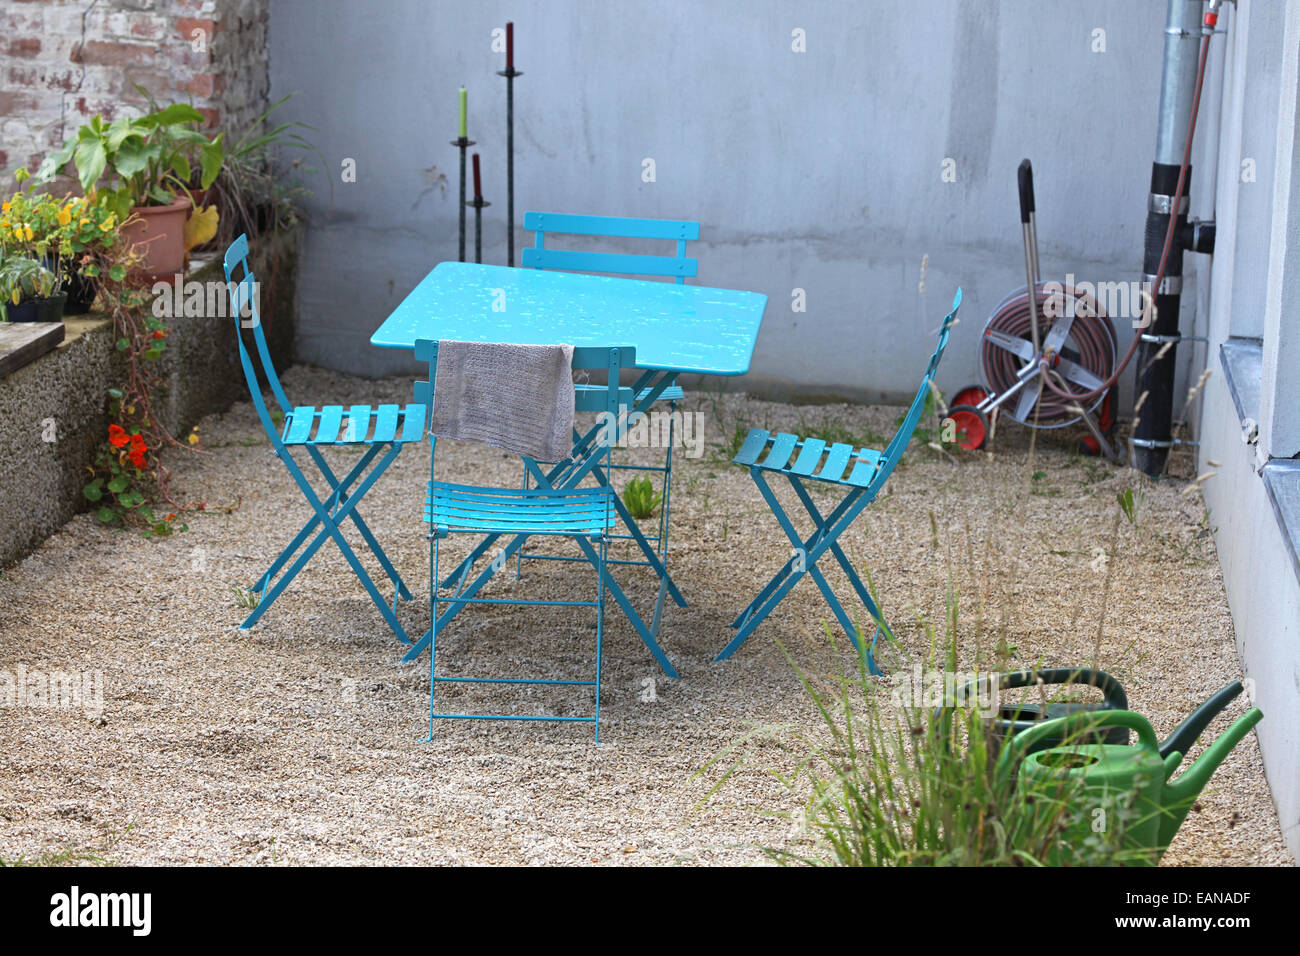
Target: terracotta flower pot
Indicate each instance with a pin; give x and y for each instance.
(159, 232)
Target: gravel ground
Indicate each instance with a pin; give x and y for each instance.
(299, 742)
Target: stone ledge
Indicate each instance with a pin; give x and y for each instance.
(64, 394)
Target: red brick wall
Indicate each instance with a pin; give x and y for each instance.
(62, 61)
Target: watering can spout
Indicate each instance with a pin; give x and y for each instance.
(1180, 793)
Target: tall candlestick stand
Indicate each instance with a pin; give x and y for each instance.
(478, 202)
(464, 143)
(510, 73)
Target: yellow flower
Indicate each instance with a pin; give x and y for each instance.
(4, 207)
(18, 232)
(65, 216)
(193, 439)
(82, 221)
(29, 233)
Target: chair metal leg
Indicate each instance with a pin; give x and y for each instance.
(651, 557)
(809, 550)
(399, 585)
(331, 528)
(611, 586)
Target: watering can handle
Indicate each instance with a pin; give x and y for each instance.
(1116, 699)
(1025, 178)
(1185, 734)
(1083, 722)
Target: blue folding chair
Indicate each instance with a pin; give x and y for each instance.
(810, 459)
(679, 267)
(584, 514)
(382, 431)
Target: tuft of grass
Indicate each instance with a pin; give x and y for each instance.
(641, 498)
(89, 856)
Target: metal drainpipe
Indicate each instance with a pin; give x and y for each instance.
(1155, 377)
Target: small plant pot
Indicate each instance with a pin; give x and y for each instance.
(38, 310)
(81, 294)
(159, 232)
(51, 309)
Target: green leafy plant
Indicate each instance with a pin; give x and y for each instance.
(128, 484)
(1127, 505)
(641, 498)
(24, 280)
(257, 191)
(142, 161)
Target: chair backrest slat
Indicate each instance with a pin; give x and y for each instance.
(243, 293)
(572, 260)
(903, 436)
(612, 226)
(679, 267)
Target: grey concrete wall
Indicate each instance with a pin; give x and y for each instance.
(818, 170)
(41, 481)
(1250, 268)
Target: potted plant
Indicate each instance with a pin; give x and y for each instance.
(256, 190)
(138, 169)
(29, 292)
(63, 234)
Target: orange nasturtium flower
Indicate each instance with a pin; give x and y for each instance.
(138, 448)
(117, 436)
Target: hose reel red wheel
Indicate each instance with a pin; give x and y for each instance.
(972, 429)
(969, 395)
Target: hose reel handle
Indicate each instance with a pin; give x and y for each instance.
(1025, 177)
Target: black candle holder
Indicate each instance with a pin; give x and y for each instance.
(478, 202)
(463, 143)
(510, 75)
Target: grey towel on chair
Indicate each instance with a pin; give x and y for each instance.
(515, 397)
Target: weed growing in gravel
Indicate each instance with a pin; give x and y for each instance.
(90, 856)
(641, 498)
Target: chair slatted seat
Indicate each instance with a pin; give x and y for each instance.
(336, 425)
(812, 452)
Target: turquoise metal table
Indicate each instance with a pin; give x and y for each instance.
(676, 329)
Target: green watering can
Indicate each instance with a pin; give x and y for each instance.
(1134, 780)
(1012, 719)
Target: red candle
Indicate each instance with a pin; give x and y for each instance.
(478, 184)
(510, 46)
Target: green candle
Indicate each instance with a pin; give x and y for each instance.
(464, 114)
